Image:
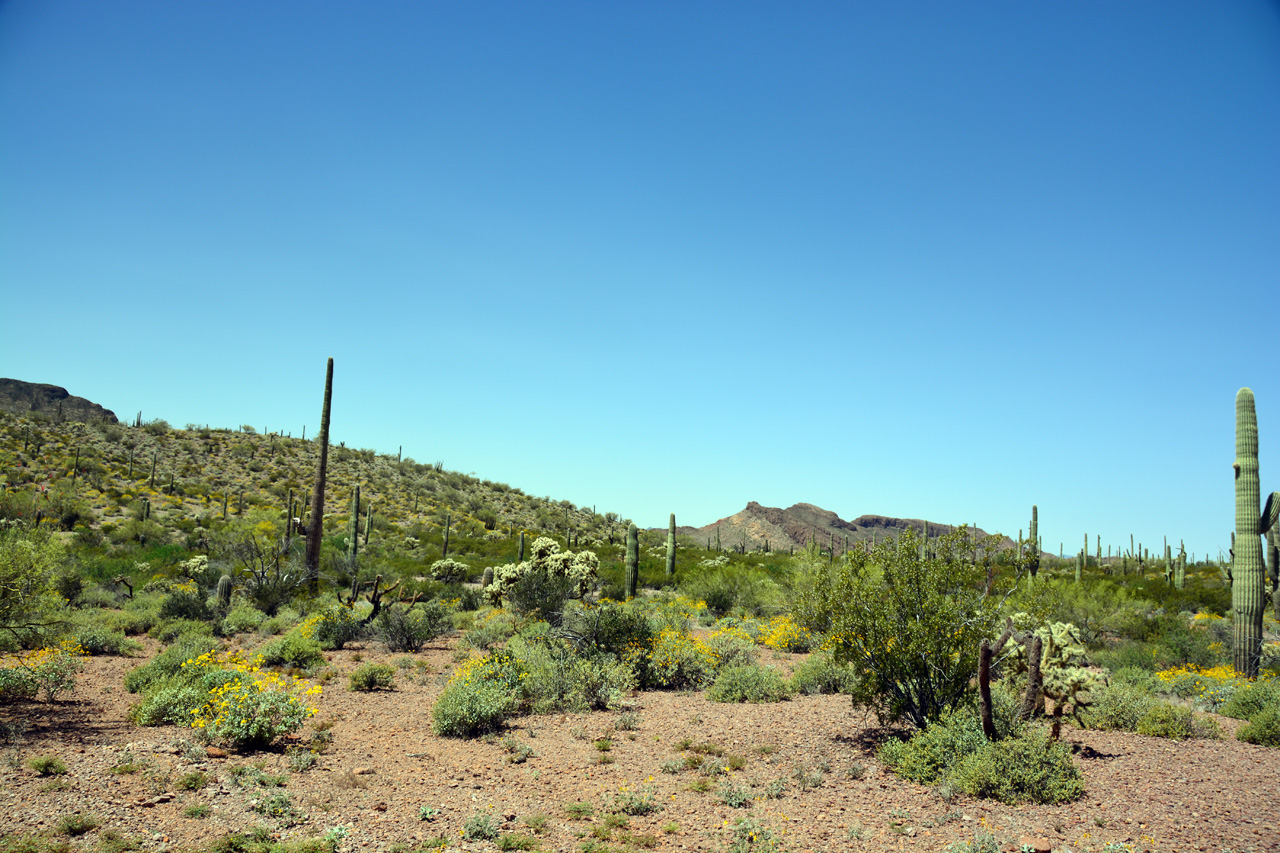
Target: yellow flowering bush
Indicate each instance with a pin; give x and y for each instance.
(250, 708)
(50, 670)
(678, 660)
(1211, 687)
(785, 635)
(480, 695)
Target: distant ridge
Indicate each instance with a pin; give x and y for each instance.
(51, 401)
(800, 524)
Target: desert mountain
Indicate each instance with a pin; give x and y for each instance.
(757, 526)
(51, 401)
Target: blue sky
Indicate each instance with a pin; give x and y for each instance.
(922, 259)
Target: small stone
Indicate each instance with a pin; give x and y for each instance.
(214, 752)
(508, 816)
(363, 771)
(1039, 845)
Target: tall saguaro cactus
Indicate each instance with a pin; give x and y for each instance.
(1248, 586)
(353, 535)
(633, 560)
(1033, 560)
(316, 529)
(671, 546)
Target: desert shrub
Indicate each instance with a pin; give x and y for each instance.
(911, 626)
(820, 674)
(409, 629)
(1175, 722)
(608, 627)
(1029, 768)
(292, 650)
(47, 765)
(677, 660)
(171, 703)
(1117, 707)
(49, 671)
(241, 619)
(541, 593)
(249, 708)
(1252, 698)
(373, 676)
(1211, 687)
(97, 640)
(481, 694)
(785, 635)
(169, 630)
(732, 587)
(1263, 728)
(185, 604)
(1137, 677)
(99, 597)
(732, 647)
(335, 626)
(562, 679)
(496, 627)
(749, 683)
(929, 753)
(169, 661)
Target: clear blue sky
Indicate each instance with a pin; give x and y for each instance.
(932, 260)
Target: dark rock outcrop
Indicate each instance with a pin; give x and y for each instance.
(50, 401)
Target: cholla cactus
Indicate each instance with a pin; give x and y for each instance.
(1064, 678)
(449, 571)
(581, 569)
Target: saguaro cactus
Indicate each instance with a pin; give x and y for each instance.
(520, 553)
(671, 546)
(224, 593)
(1248, 586)
(316, 529)
(353, 535)
(633, 561)
(444, 550)
(1033, 559)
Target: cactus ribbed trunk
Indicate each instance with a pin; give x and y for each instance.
(633, 561)
(1273, 564)
(224, 593)
(1248, 580)
(1033, 564)
(671, 547)
(487, 577)
(368, 523)
(520, 553)
(444, 550)
(316, 529)
(353, 534)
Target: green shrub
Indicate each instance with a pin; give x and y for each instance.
(732, 647)
(1118, 707)
(169, 661)
(292, 650)
(242, 618)
(676, 661)
(1175, 722)
(97, 640)
(373, 676)
(819, 674)
(931, 752)
(170, 703)
(470, 707)
(1263, 728)
(1029, 768)
(912, 626)
(409, 629)
(733, 586)
(183, 604)
(751, 683)
(77, 824)
(47, 765)
(479, 827)
(561, 679)
(609, 627)
(166, 631)
(1250, 699)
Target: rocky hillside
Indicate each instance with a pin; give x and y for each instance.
(50, 402)
(759, 526)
